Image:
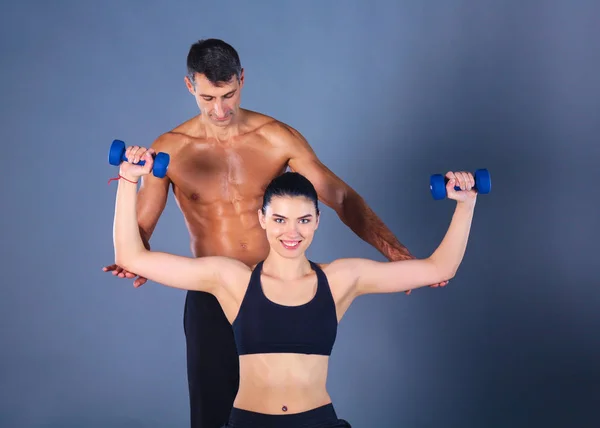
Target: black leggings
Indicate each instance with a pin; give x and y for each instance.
(321, 417)
(212, 361)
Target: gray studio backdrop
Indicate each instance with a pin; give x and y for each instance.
(387, 92)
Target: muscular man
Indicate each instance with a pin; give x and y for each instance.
(221, 162)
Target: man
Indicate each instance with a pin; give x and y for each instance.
(221, 162)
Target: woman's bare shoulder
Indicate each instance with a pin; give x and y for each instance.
(231, 268)
(345, 265)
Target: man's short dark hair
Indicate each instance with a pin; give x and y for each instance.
(215, 59)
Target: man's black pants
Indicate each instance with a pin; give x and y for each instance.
(212, 361)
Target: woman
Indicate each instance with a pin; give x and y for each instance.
(285, 310)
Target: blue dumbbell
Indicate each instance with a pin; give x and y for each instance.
(438, 182)
(116, 155)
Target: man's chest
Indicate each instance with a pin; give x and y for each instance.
(213, 173)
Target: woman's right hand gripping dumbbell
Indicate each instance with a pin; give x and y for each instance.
(132, 172)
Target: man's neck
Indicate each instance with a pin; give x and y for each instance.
(223, 134)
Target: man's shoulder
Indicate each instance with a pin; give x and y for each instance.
(272, 129)
(169, 142)
(175, 138)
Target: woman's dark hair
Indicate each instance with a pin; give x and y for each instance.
(290, 184)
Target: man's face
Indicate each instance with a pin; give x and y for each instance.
(218, 104)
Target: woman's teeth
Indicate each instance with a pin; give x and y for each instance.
(290, 244)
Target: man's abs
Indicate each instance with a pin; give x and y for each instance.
(225, 230)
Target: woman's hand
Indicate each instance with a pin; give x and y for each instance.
(465, 181)
(134, 154)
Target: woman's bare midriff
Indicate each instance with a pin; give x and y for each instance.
(282, 383)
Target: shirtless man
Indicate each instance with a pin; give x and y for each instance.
(221, 162)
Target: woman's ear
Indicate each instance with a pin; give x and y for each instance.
(261, 219)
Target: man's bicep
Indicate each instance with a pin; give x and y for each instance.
(303, 160)
(330, 188)
(151, 202)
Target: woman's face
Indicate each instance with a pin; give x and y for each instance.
(290, 224)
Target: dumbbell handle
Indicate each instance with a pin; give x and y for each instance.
(457, 188)
(124, 159)
(116, 156)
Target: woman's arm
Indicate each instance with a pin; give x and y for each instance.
(381, 277)
(203, 274)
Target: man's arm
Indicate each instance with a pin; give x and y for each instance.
(350, 207)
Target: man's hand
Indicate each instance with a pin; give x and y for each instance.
(441, 284)
(121, 273)
(405, 256)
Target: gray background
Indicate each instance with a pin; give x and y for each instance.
(387, 92)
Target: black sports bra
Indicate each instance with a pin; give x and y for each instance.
(263, 326)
